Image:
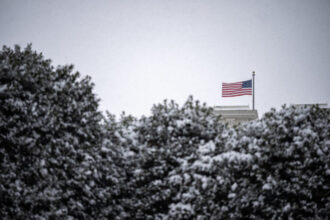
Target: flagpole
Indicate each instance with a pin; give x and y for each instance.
(253, 82)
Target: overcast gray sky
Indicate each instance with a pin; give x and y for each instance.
(140, 52)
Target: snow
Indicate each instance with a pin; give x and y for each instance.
(231, 195)
(59, 85)
(232, 156)
(105, 149)
(175, 179)
(182, 123)
(127, 154)
(202, 165)
(159, 129)
(234, 187)
(287, 207)
(3, 87)
(207, 148)
(44, 172)
(180, 207)
(267, 186)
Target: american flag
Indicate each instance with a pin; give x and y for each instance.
(237, 88)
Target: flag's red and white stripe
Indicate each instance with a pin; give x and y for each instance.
(235, 89)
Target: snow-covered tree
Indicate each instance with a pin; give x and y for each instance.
(163, 144)
(189, 166)
(288, 172)
(50, 140)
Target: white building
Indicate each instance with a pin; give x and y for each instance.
(321, 105)
(235, 114)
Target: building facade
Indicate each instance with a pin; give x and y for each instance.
(234, 115)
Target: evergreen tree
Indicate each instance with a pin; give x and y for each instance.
(164, 143)
(50, 139)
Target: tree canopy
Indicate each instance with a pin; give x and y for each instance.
(60, 157)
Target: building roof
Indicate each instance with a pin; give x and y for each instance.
(235, 114)
(232, 107)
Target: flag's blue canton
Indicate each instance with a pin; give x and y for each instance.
(247, 84)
